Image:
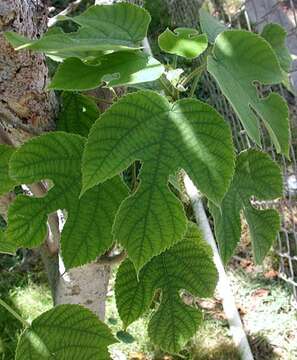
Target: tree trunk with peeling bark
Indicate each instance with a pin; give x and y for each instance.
(27, 109)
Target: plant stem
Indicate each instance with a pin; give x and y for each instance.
(13, 313)
(196, 72)
(194, 85)
(99, 100)
(165, 87)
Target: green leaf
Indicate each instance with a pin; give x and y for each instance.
(6, 182)
(239, 59)
(117, 69)
(210, 25)
(145, 126)
(183, 42)
(6, 247)
(87, 232)
(103, 28)
(78, 113)
(276, 36)
(255, 175)
(65, 332)
(187, 265)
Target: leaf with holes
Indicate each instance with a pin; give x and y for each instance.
(210, 25)
(144, 125)
(6, 182)
(240, 58)
(103, 28)
(184, 42)
(87, 232)
(78, 113)
(65, 332)
(117, 69)
(187, 265)
(255, 175)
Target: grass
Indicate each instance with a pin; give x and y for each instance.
(265, 306)
(27, 293)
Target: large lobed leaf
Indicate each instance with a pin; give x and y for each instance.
(116, 69)
(255, 175)
(87, 232)
(187, 266)
(145, 126)
(65, 332)
(6, 182)
(6, 247)
(210, 25)
(78, 113)
(239, 59)
(102, 28)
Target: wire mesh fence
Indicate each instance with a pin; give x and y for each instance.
(253, 15)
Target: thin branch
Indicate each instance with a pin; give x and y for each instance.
(70, 8)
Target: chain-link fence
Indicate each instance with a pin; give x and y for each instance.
(253, 15)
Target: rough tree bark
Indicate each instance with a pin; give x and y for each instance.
(26, 109)
(184, 12)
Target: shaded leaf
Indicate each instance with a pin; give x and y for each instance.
(187, 265)
(276, 36)
(255, 175)
(78, 113)
(65, 332)
(210, 25)
(183, 42)
(239, 59)
(6, 182)
(87, 232)
(103, 28)
(117, 69)
(6, 247)
(166, 137)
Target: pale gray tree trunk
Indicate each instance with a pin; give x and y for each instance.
(26, 109)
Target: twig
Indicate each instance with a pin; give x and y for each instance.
(70, 8)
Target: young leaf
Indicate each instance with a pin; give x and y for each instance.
(187, 265)
(144, 125)
(6, 182)
(65, 332)
(255, 175)
(87, 232)
(103, 28)
(239, 59)
(210, 25)
(183, 42)
(78, 113)
(117, 69)
(276, 36)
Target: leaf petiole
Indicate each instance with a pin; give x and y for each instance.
(14, 313)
